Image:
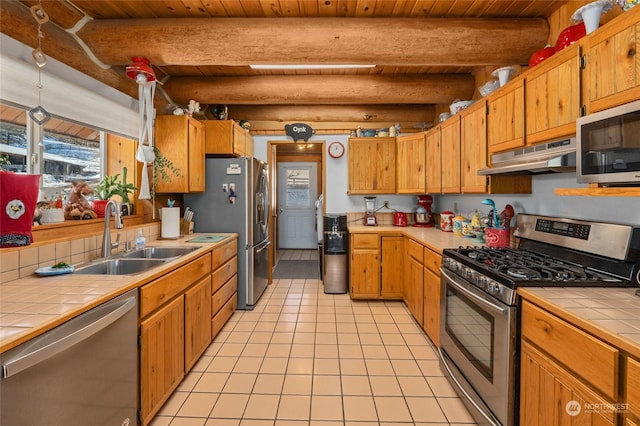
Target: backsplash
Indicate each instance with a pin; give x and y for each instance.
(21, 262)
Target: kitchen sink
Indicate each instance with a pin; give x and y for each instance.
(159, 252)
(119, 266)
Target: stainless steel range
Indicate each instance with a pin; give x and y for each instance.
(479, 308)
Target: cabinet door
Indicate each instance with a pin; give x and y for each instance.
(450, 145)
(364, 272)
(473, 143)
(392, 267)
(414, 293)
(197, 321)
(196, 156)
(550, 396)
(632, 388)
(434, 161)
(505, 119)
(372, 166)
(411, 164)
(431, 320)
(613, 68)
(552, 97)
(161, 356)
(239, 140)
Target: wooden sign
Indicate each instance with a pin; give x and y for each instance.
(299, 131)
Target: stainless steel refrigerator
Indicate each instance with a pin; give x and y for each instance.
(237, 200)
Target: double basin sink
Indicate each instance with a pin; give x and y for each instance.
(134, 262)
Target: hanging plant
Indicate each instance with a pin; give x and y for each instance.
(164, 169)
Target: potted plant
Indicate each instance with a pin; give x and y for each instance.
(162, 168)
(124, 189)
(110, 186)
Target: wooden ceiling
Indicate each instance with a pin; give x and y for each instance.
(425, 52)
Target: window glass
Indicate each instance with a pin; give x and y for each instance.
(13, 139)
(298, 189)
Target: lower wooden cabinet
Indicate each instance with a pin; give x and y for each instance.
(632, 392)
(431, 304)
(413, 289)
(376, 266)
(161, 357)
(197, 325)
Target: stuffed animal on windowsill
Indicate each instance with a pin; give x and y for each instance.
(78, 207)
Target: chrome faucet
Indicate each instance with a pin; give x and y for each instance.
(112, 207)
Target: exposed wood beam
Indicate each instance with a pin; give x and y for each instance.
(322, 89)
(333, 113)
(382, 41)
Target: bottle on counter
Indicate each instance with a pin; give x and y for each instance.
(141, 241)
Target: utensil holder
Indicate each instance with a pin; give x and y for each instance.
(498, 237)
(186, 227)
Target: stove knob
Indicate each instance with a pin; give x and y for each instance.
(468, 273)
(493, 287)
(481, 281)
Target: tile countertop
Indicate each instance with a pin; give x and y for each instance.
(432, 237)
(30, 306)
(612, 314)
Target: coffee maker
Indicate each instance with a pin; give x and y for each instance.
(370, 211)
(424, 218)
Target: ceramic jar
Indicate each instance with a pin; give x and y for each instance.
(446, 221)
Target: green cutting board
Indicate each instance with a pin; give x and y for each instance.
(207, 239)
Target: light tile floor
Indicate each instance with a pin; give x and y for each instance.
(303, 357)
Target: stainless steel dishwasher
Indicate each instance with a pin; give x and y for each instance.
(83, 372)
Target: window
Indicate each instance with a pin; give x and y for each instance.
(71, 152)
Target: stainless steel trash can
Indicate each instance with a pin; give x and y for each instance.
(335, 275)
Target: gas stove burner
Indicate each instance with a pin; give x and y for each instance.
(522, 273)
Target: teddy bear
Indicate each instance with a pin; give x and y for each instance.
(78, 207)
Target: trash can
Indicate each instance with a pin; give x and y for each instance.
(335, 242)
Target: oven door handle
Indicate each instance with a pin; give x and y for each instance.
(484, 302)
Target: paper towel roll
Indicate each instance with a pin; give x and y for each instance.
(170, 217)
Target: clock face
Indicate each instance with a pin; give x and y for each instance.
(336, 149)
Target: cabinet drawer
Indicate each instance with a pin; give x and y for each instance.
(590, 358)
(365, 241)
(224, 253)
(432, 260)
(414, 249)
(223, 273)
(220, 319)
(220, 297)
(633, 386)
(160, 291)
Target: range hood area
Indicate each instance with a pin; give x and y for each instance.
(553, 157)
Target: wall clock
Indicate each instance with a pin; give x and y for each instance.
(336, 149)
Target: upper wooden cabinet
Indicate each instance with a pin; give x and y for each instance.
(612, 65)
(505, 120)
(433, 161)
(372, 165)
(473, 147)
(450, 155)
(180, 138)
(411, 162)
(226, 137)
(552, 97)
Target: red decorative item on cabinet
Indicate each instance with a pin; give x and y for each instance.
(570, 35)
(541, 55)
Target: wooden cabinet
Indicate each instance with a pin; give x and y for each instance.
(505, 117)
(433, 161)
(473, 147)
(632, 391)
(161, 357)
(450, 156)
(559, 382)
(226, 137)
(432, 294)
(552, 97)
(612, 66)
(376, 266)
(197, 326)
(224, 285)
(180, 138)
(411, 164)
(413, 286)
(372, 165)
(364, 268)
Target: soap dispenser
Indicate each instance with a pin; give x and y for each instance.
(140, 239)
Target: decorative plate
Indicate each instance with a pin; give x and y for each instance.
(48, 271)
(606, 6)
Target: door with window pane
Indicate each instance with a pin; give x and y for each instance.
(297, 193)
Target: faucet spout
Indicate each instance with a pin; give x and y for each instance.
(112, 207)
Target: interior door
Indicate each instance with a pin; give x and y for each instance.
(297, 194)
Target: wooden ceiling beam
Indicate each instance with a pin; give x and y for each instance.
(322, 89)
(380, 41)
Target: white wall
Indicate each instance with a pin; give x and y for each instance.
(541, 201)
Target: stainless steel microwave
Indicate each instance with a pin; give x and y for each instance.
(608, 146)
